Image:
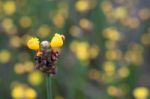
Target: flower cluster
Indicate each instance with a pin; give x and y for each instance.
(46, 53)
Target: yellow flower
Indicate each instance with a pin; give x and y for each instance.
(23, 92)
(33, 43)
(35, 78)
(141, 93)
(57, 41)
(9, 7)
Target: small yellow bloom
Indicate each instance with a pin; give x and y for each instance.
(57, 41)
(141, 93)
(33, 43)
(35, 78)
(9, 7)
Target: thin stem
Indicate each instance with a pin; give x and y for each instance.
(49, 86)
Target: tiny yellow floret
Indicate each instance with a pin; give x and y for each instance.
(57, 41)
(33, 43)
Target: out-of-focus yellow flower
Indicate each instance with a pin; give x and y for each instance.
(19, 68)
(141, 93)
(106, 6)
(33, 43)
(9, 7)
(44, 31)
(85, 24)
(114, 91)
(15, 41)
(4, 56)
(113, 54)
(145, 39)
(144, 14)
(17, 92)
(94, 74)
(123, 72)
(57, 41)
(109, 68)
(28, 66)
(30, 93)
(110, 44)
(9, 26)
(7, 23)
(35, 78)
(120, 12)
(134, 54)
(23, 92)
(112, 34)
(82, 51)
(58, 20)
(25, 21)
(82, 5)
(94, 51)
(75, 31)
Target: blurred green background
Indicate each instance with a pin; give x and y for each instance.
(105, 54)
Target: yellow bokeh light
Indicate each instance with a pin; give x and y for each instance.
(109, 68)
(112, 34)
(113, 54)
(135, 54)
(75, 31)
(18, 92)
(82, 51)
(44, 31)
(25, 21)
(5, 56)
(19, 68)
(123, 72)
(21, 91)
(120, 12)
(144, 14)
(7, 24)
(85, 24)
(106, 7)
(112, 90)
(82, 5)
(94, 51)
(35, 78)
(141, 93)
(30, 93)
(146, 39)
(15, 41)
(28, 66)
(58, 20)
(9, 7)
(94, 74)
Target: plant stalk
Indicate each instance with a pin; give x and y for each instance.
(49, 86)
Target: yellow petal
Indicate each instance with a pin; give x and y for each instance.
(33, 43)
(57, 41)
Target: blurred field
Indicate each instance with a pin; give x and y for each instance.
(105, 55)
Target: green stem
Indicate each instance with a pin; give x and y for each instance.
(49, 86)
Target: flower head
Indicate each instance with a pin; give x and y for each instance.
(33, 43)
(57, 41)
